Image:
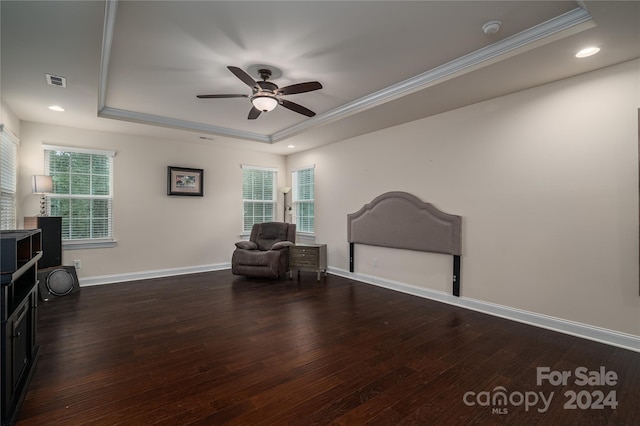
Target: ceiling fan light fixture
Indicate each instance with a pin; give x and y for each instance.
(264, 103)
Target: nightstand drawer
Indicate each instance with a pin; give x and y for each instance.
(304, 263)
(304, 251)
(303, 256)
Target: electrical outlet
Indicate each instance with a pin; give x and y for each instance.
(77, 264)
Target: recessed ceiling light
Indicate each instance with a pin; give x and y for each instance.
(587, 51)
(291, 146)
(56, 108)
(491, 27)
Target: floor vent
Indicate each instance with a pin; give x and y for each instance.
(56, 80)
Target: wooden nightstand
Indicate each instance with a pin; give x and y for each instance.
(308, 257)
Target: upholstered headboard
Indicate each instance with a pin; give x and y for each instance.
(401, 220)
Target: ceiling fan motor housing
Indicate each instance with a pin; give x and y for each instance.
(266, 86)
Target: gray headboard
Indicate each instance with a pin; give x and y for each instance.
(401, 220)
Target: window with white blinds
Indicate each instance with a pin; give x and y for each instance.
(8, 179)
(258, 195)
(82, 192)
(303, 199)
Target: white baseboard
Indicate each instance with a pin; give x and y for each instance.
(585, 331)
(133, 276)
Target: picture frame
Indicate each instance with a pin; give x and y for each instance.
(185, 181)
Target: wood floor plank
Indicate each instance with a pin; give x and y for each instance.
(213, 348)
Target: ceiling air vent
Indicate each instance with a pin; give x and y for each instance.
(56, 80)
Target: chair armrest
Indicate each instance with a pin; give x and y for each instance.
(247, 245)
(282, 245)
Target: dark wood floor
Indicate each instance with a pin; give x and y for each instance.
(212, 348)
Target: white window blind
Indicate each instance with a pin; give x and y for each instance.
(8, 179)
(304, 199)
(258, 195)
(82, 192)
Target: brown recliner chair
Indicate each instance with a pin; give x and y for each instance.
(266, 254)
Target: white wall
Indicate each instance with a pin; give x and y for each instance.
(546, 181)
(154, 231)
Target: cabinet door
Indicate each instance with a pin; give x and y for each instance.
(7, 368)
(21, 329)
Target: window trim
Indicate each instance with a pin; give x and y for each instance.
(274, 201)
(49, 147)
(294, 203)
(86, 243)
(8, 136)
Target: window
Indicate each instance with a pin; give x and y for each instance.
(8, 179)
(258, 195)
(304, 199)
(82, 192)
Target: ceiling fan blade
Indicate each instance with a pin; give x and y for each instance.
(297, 108)
(299, 88)
(254, 113)
(242, 75)
(220, 96)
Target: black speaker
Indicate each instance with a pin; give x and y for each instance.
(51, 227)
(57, 282)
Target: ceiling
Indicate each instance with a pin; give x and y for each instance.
(137, 66)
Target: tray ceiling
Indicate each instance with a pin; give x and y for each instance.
(137, 66)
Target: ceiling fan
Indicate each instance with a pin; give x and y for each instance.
(265, 95)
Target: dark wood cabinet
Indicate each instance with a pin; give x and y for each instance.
(51, 227)
(20, 251)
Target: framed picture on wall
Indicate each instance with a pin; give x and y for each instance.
(184, 181)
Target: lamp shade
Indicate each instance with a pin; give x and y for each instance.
(41, 184)
(264, 103)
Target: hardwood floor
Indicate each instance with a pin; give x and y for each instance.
(213, 348)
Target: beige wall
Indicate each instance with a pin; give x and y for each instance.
(9, 119)
(154, 231)
(546, 181)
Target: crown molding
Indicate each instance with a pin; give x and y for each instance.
(140, 117)
(110, 10)
(561, 26)
(564, 25)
